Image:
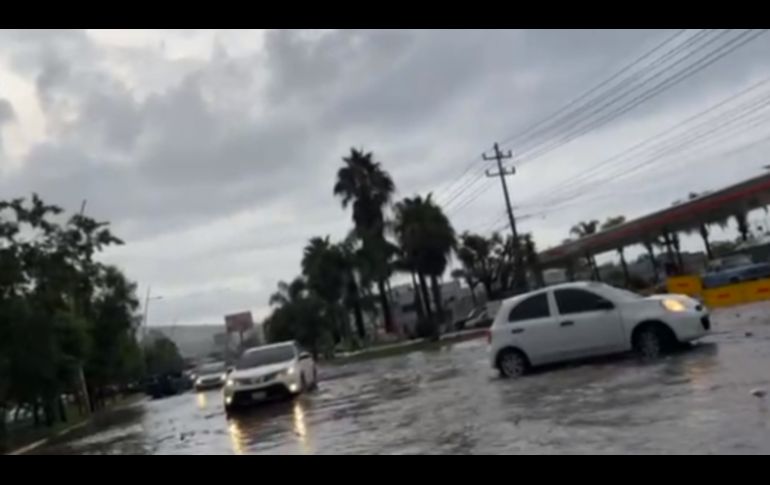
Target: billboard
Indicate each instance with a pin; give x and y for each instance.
(239, 322)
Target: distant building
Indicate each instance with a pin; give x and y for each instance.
(456, 300)
(197, 342)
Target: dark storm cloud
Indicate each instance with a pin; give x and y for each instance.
(188, 142)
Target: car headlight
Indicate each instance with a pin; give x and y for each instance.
(290, 371)
(230, 382)
(673, 305)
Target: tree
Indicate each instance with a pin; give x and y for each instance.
(299, 315)
(51, 304)
(325, 268)
(531, 258)
(427, 238)
(162, 357)
(583, 229)
(609, 224)
(362, 183)
(475, 253)
(742, 221)
(470, 280)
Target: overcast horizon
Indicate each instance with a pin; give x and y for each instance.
(213, 153)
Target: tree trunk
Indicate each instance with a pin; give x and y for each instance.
(417, 298)
(653, 262)
(36, 413)
(357, 313)
(425, 296)
(473, 293)
(488, 288)
(570, 269)
(62, 409)
(385, 304)
(436, 287)
(704, 234)
(624, 265)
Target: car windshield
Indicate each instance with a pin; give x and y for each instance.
(266, 356)
(214, 368)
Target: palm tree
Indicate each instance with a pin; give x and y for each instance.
(584, 229)
(609, 224)
(531, 258)
(352, 264)
(324, 267)
(288, 292)
(475, 252)
(462, 274)
(426, 238)
(362, 183)
(742, 221)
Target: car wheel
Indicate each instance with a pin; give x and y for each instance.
(512, 364)
(650, 343)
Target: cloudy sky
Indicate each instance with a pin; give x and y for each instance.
(213, 154)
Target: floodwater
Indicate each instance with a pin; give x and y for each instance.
(449, 401)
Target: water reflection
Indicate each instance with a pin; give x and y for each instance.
(202, 400)
(236, 437)
(300, 427)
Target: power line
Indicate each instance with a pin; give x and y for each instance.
(626, 154)
(666, 84)
(592, 90)
(728, 126)
(454, 190)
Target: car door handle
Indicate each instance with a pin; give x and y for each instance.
(568, 323)
(517, 330)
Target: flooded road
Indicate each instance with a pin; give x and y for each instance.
(449, 401)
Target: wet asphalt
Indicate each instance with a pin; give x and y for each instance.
(698, 400)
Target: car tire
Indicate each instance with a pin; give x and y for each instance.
(652, 342)
(512, 363)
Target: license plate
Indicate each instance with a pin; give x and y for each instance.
(258, 395)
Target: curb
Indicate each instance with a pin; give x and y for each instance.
(44, 441)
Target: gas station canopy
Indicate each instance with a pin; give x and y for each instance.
(708, 208)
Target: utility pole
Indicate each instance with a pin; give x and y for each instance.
(81, 375)
(520, 280)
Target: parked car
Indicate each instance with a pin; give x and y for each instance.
(473, 314)
(165, 385)
(268, 372)
(583, 319)
(210, 376)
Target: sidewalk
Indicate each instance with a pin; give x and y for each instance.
(128, 401)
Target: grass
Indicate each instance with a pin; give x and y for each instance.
(405, 348)
(24, 433)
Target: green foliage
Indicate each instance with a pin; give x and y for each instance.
(60, 310)
(583, 229)
(300, 316)
(492, 260)
(362, 183)
(162, 357)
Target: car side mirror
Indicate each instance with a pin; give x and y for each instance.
(304, 355)
(229, 370)
(605, 305)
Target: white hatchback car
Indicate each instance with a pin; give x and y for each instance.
(582, 319)
(269, 371)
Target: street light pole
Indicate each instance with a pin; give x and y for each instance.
(147, 301)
